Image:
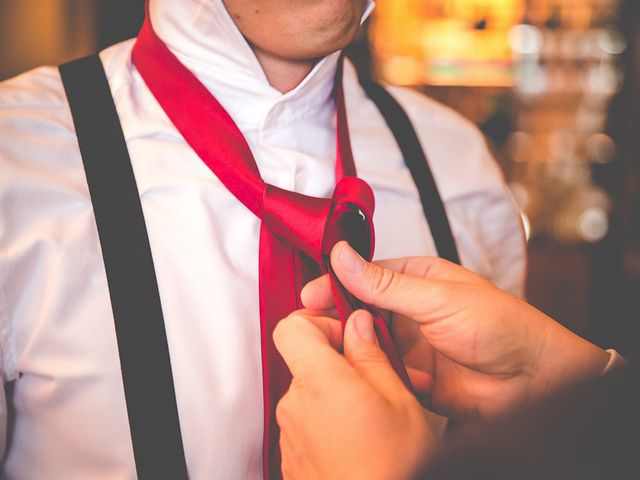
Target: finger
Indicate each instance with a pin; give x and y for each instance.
(406, 333)
(328, 313)
(317, 294)
(433, 268)
(366, 356)
(286, 458)
(407, 295)
(294, 461)
(331, 313)
(328, 324)
(422, 382)
(309, 344)
(416, 352)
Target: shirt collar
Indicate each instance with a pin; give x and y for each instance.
(203, 36)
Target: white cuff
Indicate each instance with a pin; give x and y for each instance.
(616, 361)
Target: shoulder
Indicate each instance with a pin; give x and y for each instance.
(33, 105)
(428, 114)
(39, 93)
(37, 136)
(33, 101)
(40, 161)
(33, 89)
(455, 148)
(483, 217)
(35, 119)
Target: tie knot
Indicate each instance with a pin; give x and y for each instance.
(315, 225)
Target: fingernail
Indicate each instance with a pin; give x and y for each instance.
(364, 326)
(350, 260)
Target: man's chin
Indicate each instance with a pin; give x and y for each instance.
(321, 46)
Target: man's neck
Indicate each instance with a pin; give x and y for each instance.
(283, 74)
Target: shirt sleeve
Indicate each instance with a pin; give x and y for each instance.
(616, 361)
(490, 237)
(486, 223)
(3, 398)
(3, 422)
(501, 231)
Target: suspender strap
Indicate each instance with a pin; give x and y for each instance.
(416, 161)
(135, 300)
(139, 324)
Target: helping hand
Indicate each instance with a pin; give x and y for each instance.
(478, 351)
(345, 417)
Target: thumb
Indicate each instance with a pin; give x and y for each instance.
(413, 297)
(363, 352)
(308, 344)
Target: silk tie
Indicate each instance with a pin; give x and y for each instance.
(297, 231)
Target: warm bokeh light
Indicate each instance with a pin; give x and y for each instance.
(37, 32)
(446, 42)
(547, 71)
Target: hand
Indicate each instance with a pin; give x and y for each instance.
(345, 417)
(486, 351)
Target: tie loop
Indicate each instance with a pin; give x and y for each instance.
(351, 218)
(314, 225)
(296, 218)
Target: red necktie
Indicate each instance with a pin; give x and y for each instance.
(297, 231)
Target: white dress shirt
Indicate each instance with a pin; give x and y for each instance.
(57, 338)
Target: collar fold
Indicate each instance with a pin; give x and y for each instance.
(203, 36)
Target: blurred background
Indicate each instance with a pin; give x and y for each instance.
(553, 84)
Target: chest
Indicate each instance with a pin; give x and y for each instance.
(205, 253)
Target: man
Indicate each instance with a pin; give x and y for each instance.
(479, 353)
(271, 65)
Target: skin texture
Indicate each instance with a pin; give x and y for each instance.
(288, 37)
(484, 350)
(475, 352)
(355, 423)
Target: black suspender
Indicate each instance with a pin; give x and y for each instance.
(142, 341)
(137, 311)
(416, 161)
